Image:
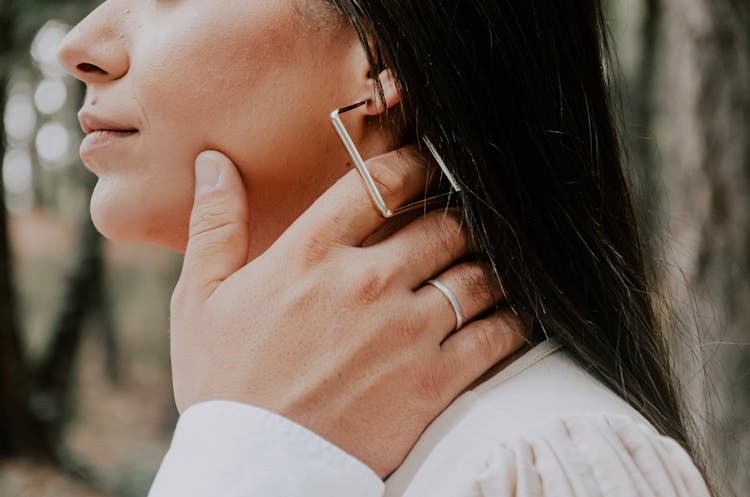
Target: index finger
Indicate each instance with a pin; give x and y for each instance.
(346, 215)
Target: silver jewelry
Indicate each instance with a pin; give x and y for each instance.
(372, 189)
(452, 299)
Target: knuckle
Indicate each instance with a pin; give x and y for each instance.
(374, 281)
(451, 223)
(212, 214)
(315, 250)
(488, 342)
(212, 242)
(389, 176)
(319, 244)
(473, 279)
(451, 231)
(517, 329)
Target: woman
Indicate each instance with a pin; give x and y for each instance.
(513, 98)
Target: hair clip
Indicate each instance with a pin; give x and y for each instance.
(372, 188)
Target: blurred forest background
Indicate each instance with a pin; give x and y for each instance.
(85, 397)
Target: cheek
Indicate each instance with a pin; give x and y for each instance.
(208, 74)
(258, 88)
(262, 99)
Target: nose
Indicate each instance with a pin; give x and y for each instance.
(95, 51)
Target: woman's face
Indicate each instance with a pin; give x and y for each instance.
(254, 79)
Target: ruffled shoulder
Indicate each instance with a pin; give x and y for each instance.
(591, 455)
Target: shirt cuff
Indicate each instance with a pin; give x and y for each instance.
(228, 449)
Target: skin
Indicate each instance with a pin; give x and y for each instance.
(254, 79)
(377, 348)
(277, 276)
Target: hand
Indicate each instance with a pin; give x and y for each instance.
(343, 339)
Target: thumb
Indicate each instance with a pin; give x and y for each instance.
(219, 236)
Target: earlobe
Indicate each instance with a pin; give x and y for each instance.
(390, 94)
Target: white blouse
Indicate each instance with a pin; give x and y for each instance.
(541, 427)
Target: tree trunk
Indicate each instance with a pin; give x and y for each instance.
(703, 125)
(55, 375)
(20, 430)
(643, 19)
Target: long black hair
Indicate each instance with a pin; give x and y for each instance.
(515, 96)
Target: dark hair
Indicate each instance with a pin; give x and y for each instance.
(515, 97)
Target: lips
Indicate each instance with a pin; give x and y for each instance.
(90, 124)
(102, 133)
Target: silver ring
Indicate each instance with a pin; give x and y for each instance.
(452, 299)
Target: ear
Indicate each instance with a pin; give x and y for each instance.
(391, 97)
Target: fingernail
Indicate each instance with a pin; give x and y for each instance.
(206, 175)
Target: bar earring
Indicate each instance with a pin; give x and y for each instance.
(372, 188)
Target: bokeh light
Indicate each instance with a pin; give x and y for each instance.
(50, 95)
(52, 142)
(45, 45)
(20, 116)
(17, 173)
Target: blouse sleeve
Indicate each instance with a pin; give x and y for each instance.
(594, 455)
(228, 449)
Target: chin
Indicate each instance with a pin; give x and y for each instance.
(121, 217)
